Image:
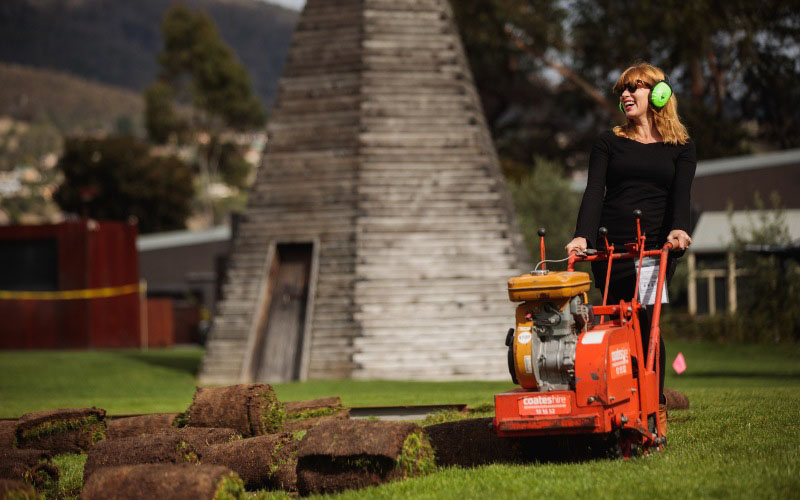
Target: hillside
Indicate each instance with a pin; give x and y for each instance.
(69, 103)
(116, 41)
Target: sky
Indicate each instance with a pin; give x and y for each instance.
(292, 4)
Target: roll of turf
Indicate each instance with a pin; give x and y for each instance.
(12, 489)
(250, 409)
(676, 400)
(303, 415)
(139, 426)
(346, 454)
(263, 462)
(70, 430)
(8, 429)
(156, 448)
(32, 466)
(163, 481)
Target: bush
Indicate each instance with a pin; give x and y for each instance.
(116, 178)
(546, 199)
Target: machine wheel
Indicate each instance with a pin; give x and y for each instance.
(510, 344)
(618, 444)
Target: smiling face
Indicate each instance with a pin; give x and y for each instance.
(635, 99)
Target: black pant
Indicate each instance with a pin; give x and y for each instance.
(622, 289)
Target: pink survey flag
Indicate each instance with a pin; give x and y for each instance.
(679, 365)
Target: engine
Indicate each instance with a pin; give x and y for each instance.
(552, 313)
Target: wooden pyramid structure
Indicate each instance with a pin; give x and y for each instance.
(379, 234)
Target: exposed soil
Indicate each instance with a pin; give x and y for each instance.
(139, 426)
(251, 410)
(470, 443)
(263, 462)
(175, 482)
(158, 448)
(71, 430)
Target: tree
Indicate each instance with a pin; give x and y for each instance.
(199, 71)
(161, 120)
(117, 177)
(197, 68)
(545, 70)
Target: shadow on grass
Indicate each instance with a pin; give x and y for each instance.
(178, 361)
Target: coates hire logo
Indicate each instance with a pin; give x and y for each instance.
(545, 401)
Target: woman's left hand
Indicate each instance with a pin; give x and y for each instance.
(679, 239)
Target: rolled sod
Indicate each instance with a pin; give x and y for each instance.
(32, 466)
(17, 490)
(157, 448)
(263, 462)
(7, 430)
(676, 400)
(470, 443)
(252, 410)
(344, 454)
(139, 426)
(303, 415)
(313, 407)
(70, 430)
(163, 481)
(201, 438)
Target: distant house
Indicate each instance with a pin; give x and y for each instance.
(731, 184)
(713, 272)
(185, 267)
(733, 181)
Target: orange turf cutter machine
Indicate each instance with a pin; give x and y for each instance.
(582, 368)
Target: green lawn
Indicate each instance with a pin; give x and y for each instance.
(741, 437)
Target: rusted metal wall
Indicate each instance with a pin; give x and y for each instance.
(91, 256)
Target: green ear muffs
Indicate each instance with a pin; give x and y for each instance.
(659, 94)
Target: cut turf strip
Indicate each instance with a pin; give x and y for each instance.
(7, 430)
(676, 400)
(263, 462)
(33, 466)
(12, 489)
(139, 426)
(158, 448)
(71, 430)
(313, 407)
(345, 454)
(470, 443)
(252, 410)
(303, 415)
(165, 482)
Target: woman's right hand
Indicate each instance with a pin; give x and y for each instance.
(576, 245)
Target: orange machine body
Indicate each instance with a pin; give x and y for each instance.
(612, 389)
(579, 375)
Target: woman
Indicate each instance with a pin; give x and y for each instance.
(648, 164)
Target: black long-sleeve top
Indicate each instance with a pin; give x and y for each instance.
(625, 175)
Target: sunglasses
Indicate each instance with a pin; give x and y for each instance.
(632, 87)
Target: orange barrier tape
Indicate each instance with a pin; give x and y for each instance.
(87, 293)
